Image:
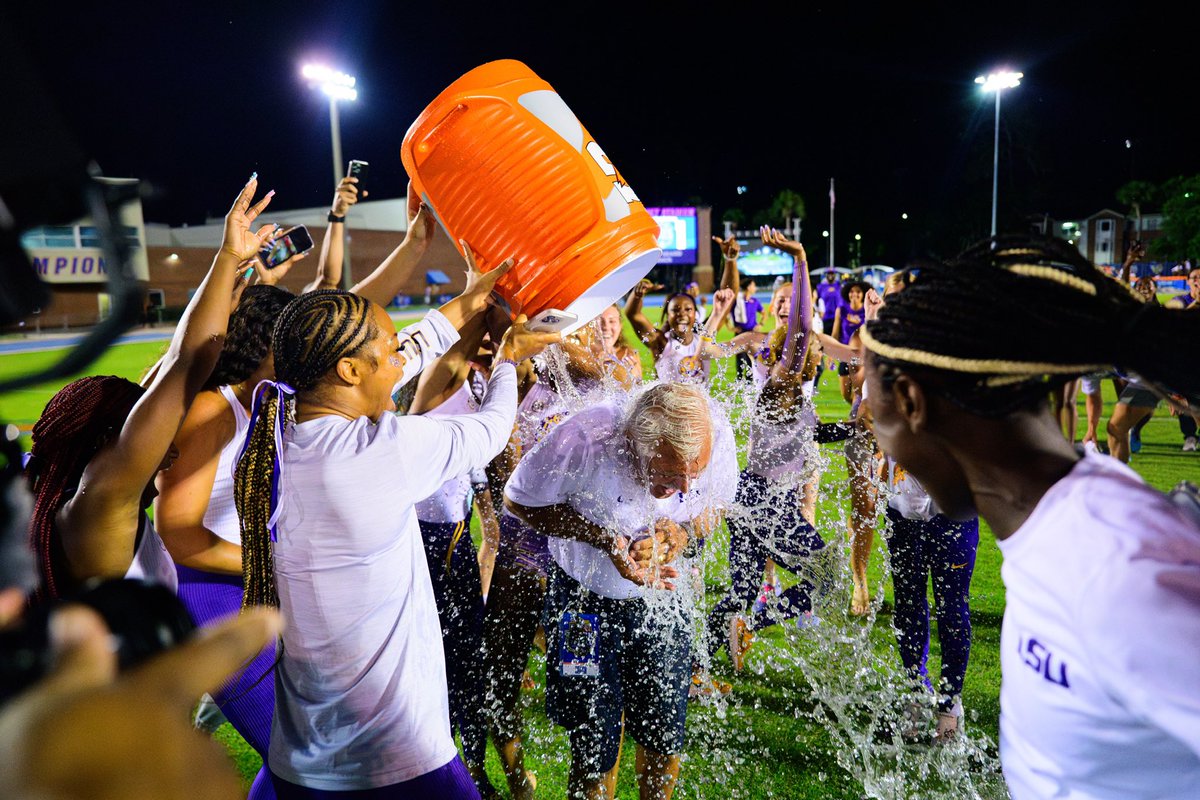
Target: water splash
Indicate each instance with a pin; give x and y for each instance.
(834, 692)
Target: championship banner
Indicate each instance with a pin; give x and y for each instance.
(71, 254)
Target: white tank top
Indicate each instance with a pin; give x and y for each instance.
(452, 501)
(778, 452)
(152, 562)
(221, 515)
(684, 363)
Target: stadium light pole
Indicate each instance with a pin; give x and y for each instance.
(336, 86)
(997, 82)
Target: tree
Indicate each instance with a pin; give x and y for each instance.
(1136, 194)
(1181, 219)
(786, 206)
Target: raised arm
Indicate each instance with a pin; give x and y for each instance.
(651, 336)
(723, 300)
(112, 486)
(800, 316)
(386, 280)
(443, 377)
(730, 250)
(333, 246)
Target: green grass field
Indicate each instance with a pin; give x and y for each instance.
(773, 736)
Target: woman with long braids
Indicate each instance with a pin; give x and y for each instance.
(101, 440)
(325, 490)
(195, 511)
(1101, 632)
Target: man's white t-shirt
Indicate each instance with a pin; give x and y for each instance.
(360, 691)
(1100, 649)
(586, 463)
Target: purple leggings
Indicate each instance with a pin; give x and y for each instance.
(249, 706)
(944, 550)
(450, 781)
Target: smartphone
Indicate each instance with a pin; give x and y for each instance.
(291, 242)
(358, 169)
(552, 320)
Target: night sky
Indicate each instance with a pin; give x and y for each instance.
(690, 101)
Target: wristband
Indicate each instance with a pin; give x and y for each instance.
(500, 361)
(332, 217)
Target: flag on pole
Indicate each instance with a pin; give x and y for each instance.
(831, 195)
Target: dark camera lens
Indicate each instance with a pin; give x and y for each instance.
(145, 619)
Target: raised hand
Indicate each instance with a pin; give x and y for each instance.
(239, 241)
(872, 302)
(345, 196)
(644, 286)
(421, 222)
(480, 284)
(723, 300)
(775, 239)
(520, 343)
(730, 248)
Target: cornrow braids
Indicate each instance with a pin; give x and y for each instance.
(251, 330)
(317, 329)
(74, 425)
(312, 333)
(1013, 317)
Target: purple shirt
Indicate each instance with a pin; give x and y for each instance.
(753, 306)
(830, 295)
(851, 321)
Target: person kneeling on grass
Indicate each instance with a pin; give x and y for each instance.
(655, 473)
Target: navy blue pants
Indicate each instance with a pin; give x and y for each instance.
(944, 550)
(770, 526)
(459, 593)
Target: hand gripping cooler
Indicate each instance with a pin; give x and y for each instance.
(507, 167)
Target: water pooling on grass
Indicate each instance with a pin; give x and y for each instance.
(832, 696)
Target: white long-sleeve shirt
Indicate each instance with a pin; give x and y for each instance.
(361, 687)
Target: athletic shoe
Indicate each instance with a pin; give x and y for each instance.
(1135, 441)
(740, 639)
(1090, 447)
(1189, 444)
(704, 685)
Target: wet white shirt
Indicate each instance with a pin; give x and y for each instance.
(1100, 649)
(585, 463)
(360, 691)
(452, 500)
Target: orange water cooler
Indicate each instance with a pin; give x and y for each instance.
(508, 168)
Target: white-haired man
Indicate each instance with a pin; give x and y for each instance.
(624, 491)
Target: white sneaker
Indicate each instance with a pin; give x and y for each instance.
(1090, 447)
(1189, 444)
